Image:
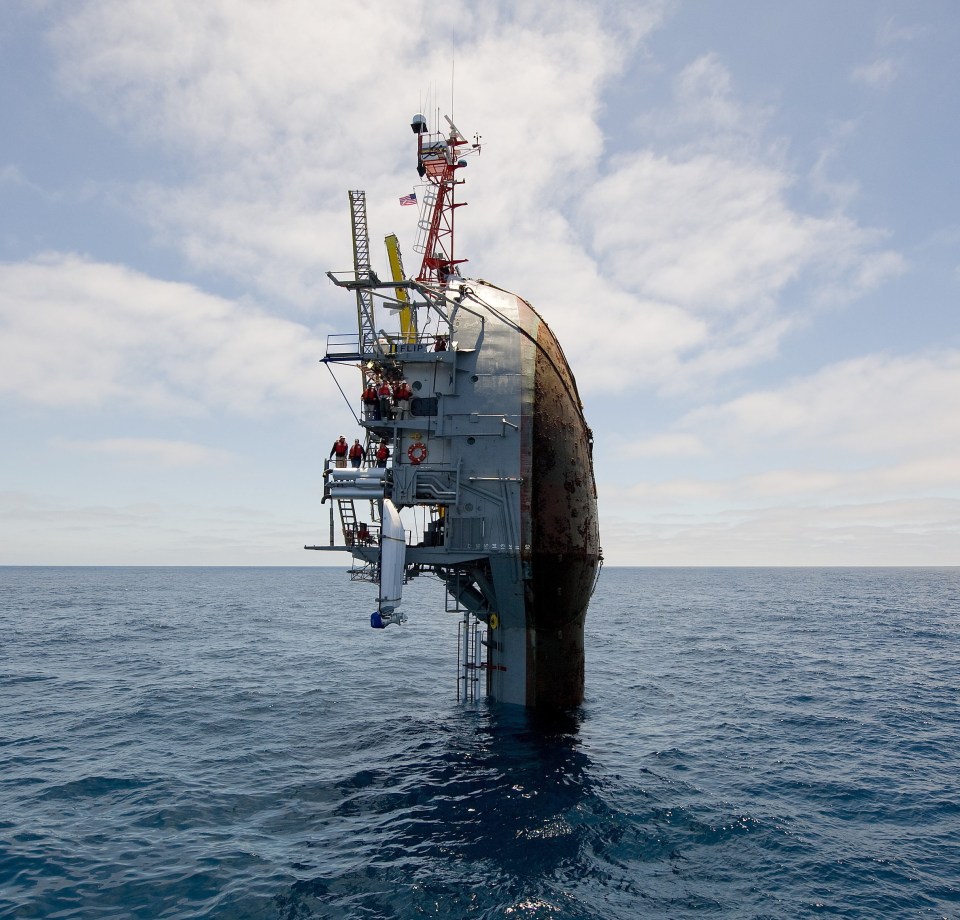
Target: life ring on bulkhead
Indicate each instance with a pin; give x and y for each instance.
(494, 621)
(417, 452)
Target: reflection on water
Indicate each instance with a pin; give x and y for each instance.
(461, 818)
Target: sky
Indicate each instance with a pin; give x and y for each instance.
(740, 218)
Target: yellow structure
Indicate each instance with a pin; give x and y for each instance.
(408, 332)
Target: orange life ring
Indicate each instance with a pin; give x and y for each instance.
(417, 452)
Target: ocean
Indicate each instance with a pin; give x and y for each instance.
(238, 743)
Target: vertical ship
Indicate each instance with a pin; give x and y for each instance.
(488, 445)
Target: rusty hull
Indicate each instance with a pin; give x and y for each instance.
(563, 527)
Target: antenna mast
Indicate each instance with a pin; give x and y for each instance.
(438, 159)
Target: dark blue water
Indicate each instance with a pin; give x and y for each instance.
(238, 743)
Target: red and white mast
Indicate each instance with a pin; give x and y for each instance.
(438, 159)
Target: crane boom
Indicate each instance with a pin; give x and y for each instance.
(408, 326)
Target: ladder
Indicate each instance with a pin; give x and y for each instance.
(348, 520)
(423, 225)
(470, 664)
(350, 524)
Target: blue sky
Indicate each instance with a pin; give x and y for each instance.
(739, 217)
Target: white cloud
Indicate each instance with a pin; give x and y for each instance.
(716, 241)
(280, 247)
(260, 103)
(85, 334)
(930, 475)
(892, 31)
(878, 74)
(888, 64)
(12, 174)
(918, 531)
(36, 528)
(710, 226)
(858, 463)
(152, 451)
(706, 104)
(688, 251)
(877, 404)
(839, 192)
(273, 137)
(707, 231)
(671, 444)
(708, 234)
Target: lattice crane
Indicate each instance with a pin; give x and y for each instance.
(365, 276)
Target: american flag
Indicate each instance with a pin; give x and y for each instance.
(409, 199)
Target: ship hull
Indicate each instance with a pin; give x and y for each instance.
(536, 657)
(495, 444)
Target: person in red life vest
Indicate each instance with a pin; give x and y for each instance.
(364, 537)
(356, 454)
(371, 402)
(386, 395)
(382, 454)
(440, 344)
(402, 396)
(339, 450)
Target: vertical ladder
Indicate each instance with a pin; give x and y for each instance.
(423, 225)
(469, 657)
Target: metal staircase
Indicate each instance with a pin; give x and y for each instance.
(348, 520)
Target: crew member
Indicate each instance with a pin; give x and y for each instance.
(382, 454)
(371, 402)
(356, 454)
(402, 396)
(386, 394)
(339, 450)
